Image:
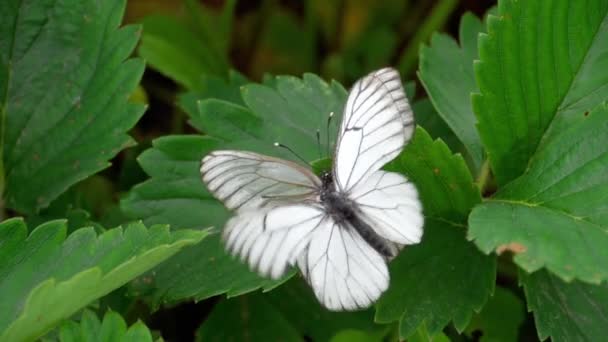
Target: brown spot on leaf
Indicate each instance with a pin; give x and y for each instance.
(586, 113)
(436, 171)
(513, 247)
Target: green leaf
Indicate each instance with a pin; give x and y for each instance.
(293, 308)
(178, 51)
(443, 180)
(352, 335)
(500, 319)
(566, 311)
(427, 117)
(535, 80)
(112, 328)
(444, 278)
(64, 86)
(446, 71)
(422, 335)
(555, 215)
(296, 301)
(213, 87)
(45, 277)
(247, 318)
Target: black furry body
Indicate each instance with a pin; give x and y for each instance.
(346, 213)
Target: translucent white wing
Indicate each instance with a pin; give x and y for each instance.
(376, 124)
(249, 180)
(270, 240)
(390, 205)
(343, 270)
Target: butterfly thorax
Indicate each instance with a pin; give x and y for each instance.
(345, 212)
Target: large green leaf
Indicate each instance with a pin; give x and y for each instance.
(566, 311)
(540, 69)
(555, 215)
(112, 328)
(64, 85)
(446, 71)
(45, 277)
(444, 278)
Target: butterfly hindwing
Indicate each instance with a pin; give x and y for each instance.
(344, 272)
(390, 205)
(271, 239)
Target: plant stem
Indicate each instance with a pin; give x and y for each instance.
(436, 20)
(484, 177)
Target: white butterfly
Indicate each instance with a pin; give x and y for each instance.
(342, 228)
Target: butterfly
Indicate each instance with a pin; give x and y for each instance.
(340, 228)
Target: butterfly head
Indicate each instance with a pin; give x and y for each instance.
(327, 179)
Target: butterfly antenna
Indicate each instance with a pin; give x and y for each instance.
(331, 115)
(319, 143)
(278, 144)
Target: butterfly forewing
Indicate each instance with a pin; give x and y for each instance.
(376, 124)
(249, 180)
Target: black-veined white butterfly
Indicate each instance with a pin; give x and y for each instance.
(342, 228)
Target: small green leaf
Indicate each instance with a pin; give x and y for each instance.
(555, 215)
(446, 71)
(213, 87)
(112, 328)
(443, 180)
(247, 318)
(535, 80)
(64, 89)
(566, 311)
(422, 335)
(45, 277)
(500, 319)
(352, 335)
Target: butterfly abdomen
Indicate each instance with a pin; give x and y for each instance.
(346, 214)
